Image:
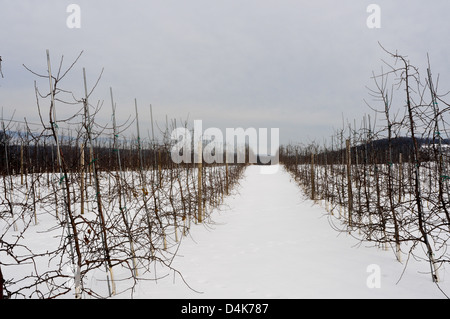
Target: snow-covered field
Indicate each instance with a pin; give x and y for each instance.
(269, 241)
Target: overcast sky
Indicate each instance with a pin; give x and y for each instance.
(288, 64)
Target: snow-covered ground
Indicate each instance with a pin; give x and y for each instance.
(269, 241)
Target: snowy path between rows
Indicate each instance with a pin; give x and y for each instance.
(269, 241)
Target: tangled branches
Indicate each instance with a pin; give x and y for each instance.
(390, 181)
(90, 213)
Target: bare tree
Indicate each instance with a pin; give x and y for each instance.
(403, 180)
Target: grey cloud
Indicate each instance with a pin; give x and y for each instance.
(296, 65)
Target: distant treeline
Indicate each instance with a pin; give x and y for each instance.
(39, 155)
(375, 151)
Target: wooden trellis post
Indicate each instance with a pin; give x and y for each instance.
(21, 163)
(226, 178)
(199, 188)
(400, 177)
(349, 183)
(313, 179)
(82, 178)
